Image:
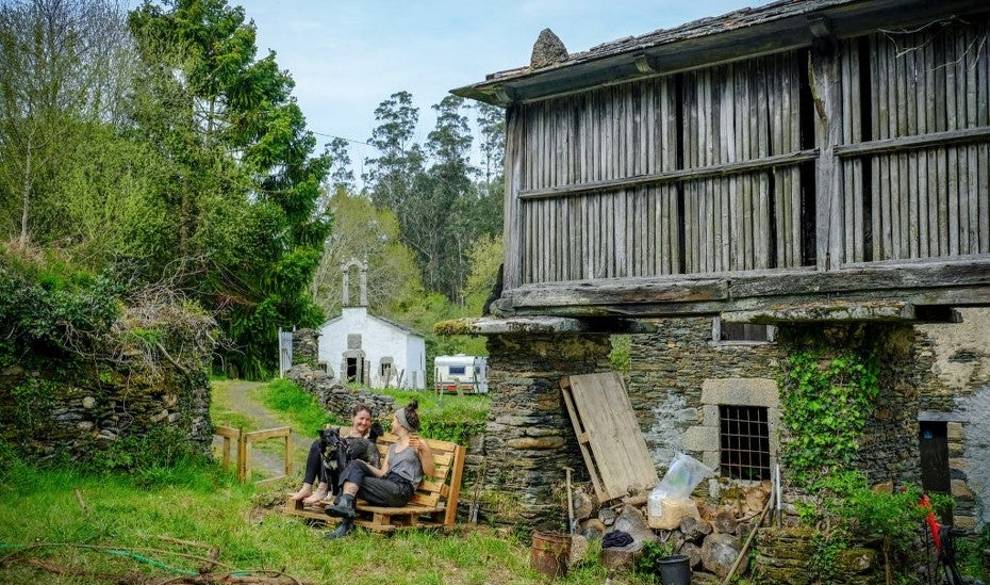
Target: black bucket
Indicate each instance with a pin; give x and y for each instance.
(675, 570)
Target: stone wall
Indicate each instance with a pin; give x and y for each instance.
(336, 398)
(678, 375)
(305, 347)
(529, 438)
(667, 375)
(143, 380)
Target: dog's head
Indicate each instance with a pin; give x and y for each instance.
(330, 444)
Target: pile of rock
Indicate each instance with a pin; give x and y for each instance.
(712, 542)
(338, 399)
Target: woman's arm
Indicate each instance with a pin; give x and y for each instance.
(425, 455)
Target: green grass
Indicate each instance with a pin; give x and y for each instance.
(198, 502)
(222, 412)
(303, 411)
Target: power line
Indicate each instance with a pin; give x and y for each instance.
(343, 138)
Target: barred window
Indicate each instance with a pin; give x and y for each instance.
(744, 441)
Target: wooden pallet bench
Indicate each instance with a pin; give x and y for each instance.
(433, 505)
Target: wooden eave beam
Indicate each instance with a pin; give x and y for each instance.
(777, 35)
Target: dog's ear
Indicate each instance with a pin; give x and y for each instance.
(376, 431)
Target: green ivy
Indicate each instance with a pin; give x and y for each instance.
(826, 404)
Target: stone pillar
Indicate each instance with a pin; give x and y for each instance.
(305, 347)
(529, 438)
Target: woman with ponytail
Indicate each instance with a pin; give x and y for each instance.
(393, 484)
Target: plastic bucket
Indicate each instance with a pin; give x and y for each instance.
(549, 553)
(675, 570)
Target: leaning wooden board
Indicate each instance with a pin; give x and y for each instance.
(612, 445)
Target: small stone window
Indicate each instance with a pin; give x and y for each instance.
(744, 442)
(741, 333)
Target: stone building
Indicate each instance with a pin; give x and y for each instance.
(360, 347)
(778, 167)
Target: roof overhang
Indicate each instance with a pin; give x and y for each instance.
(777, 27)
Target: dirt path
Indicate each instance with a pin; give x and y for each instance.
(240, 397)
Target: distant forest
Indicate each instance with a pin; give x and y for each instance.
(156, 148)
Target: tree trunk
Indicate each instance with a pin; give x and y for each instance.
(26, 195)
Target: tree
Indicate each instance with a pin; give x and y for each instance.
(245, 180)
(61, 63)
(393, 173)
(365, 232)
(341, 175)
(491, 125)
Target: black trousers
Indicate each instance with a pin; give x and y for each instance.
(315, 470)
(392, 491)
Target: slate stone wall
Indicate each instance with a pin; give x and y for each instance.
(305, 347)
(529, 438)
(77, 410)
(336, 398)
(937, 371)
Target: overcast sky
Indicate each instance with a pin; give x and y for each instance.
(347, 56)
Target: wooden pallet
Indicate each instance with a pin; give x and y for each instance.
(433, 505)
(611, 443)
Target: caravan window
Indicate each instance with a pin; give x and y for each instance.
(456, 370)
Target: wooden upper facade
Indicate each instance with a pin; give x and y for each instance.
(803, 152)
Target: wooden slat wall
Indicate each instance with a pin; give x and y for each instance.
(924, 203)
(732, 113)
(610, 133)
(736, 113)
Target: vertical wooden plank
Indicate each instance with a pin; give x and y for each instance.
(952, 122)
(512, 212)
(972, 120)
(912, 128)
(825, 70)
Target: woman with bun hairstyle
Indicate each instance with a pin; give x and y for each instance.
(393, 484)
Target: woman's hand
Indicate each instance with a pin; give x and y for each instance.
(424, 453)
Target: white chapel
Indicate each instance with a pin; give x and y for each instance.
(367, 349)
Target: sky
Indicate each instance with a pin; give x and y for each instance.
(348, 56)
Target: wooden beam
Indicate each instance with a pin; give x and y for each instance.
(976, 296)
(721, 170)
(874, 147)
(959, 282)
(539, 326)
(622, 290)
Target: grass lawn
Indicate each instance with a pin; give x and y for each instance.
(198, 502)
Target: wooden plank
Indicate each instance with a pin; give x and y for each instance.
(827, 120)
(596, 480)
(616, 442)
(515, 155)
(719, 170)
(450, 517)
(261, 435)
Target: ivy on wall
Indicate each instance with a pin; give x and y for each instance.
(826, 403)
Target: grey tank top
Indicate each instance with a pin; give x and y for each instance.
(405, 464)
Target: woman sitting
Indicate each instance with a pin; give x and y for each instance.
(360, 428)
(394, 483)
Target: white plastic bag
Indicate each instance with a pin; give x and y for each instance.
(684, 474)
(671, 501)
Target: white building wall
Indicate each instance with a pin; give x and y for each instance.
(378, 339)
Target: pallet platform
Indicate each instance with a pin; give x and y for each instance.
(434, 505)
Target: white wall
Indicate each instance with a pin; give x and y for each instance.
(378, 339)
